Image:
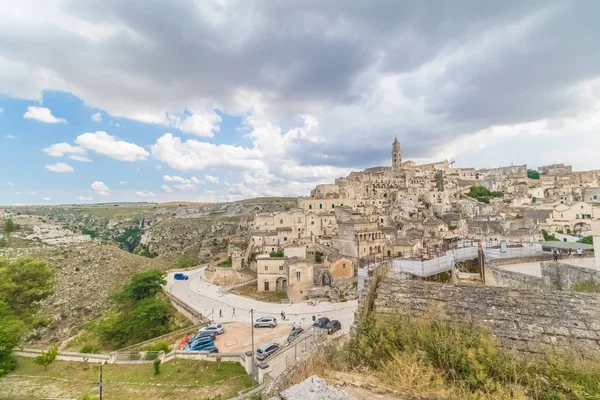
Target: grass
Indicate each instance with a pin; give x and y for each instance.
(250, 291)
(192, 379)
(587, 286)
(441, 359)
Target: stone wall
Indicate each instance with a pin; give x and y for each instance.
(562, 275)
(226, 276)
(530, 321)
(505, 278)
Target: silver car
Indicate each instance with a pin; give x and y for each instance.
(214, 328)
(266, 350)
(270, 322)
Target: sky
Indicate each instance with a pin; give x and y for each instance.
(220, 100)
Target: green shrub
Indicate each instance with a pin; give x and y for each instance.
(90, 349)
(278, 253)
(587, 286)
(156, 365)
(587, 240)
(47, 357)
(549, 237)
(533, 174)
(318, 257)
(225, 263)
(158, 346)
(3, 242)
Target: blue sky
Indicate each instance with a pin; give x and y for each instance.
(221, 100)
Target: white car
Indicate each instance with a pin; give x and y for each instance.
(214, 328)
(270, 322)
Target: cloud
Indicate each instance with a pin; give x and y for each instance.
(60, 149)
(212, 179)
(43, 114)
(183, 183)
(9, 137)
(103, 143)
(196, 155)
(158, 167)
(46, 198)
(83, 198)
(167, 188)
(79, 158)
(199, 124)
(100, 188)
(122, 182)
(59, 167)
(97, 117)
(11, 184)
(145, 194)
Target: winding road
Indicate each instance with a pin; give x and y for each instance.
(209, 299)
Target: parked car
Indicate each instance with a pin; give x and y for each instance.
(294, 333)
(266, 350)
(333, 326)
(180, 277)
(202, 334)
(206, 346)
(321, 322)
(202, 339)
(271, 322)
(214, 328)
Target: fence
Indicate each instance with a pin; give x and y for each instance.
(446, 262)
(289, 355)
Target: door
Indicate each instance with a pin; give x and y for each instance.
(266, 286)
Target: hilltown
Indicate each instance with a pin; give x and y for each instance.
(410, 211)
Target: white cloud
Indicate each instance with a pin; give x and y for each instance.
(103, 143)
(9, 136)
(31, 193)
(199, 124)
(43, 114)
(193, 154)
(83, 198)
(97, 117)
(158, 167)
(183, 183)
(100, 188)
(1, 110)
(167, 188)
(59, 167)
(210, 178)
(60, 149)
(79, 158)
(122, 182)
(145, 193)
(46, 198)
(18, 204)
(11, 184)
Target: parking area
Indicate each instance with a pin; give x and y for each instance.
(238, 336)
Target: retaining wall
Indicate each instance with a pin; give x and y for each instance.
(528, 320)
(563, 275)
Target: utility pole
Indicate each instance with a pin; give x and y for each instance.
(252, 325)
(101, 379)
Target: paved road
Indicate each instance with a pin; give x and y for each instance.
(209, 299)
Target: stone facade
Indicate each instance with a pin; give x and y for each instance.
(530, 321)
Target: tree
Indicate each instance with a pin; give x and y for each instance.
(142, 286)
(25, 282)
(533, 174)
(47, 357)
(9, 225)
(11, 329)
(156, 364)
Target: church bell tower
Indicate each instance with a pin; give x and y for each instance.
(396, 154)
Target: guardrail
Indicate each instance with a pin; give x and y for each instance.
(188, 311)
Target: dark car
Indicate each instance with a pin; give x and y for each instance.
(321, 322)
(266, 350)
(333, 326)
(294, 333)
(211, 335)
(207, 346)
(180, 277)
(201, 340)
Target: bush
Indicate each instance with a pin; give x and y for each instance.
(549, 237)
(142, 286)
(47, 357)
(278, 253)
(533, 174)
(3, 242)
(318, 257)
(90, 349)
(41, 321)
(158, 346)
(225, 263)
(9, 225)
(587, 240)
(587, 286)
(156, 365)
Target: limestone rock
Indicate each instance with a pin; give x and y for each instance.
(314, 388)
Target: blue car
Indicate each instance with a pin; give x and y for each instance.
(200, 340)
(208, 346)
(180, 277)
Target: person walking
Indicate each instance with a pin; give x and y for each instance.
(570, 254)
(555, 255)
(220, 313)
(579, 253)
(233, 312)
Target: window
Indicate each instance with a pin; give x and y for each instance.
(312, 222)
(333, 206)
(281, 267)
(595, 197)
(582, 207)
(266, 268)
(298, 276)
(382, 220)
(266, 286)
(285, 238)
(299, 220)
(299, 235)
(310, 206)
(320, 205)
(281, 221)
(342, 205)
(344, 265)
(324, 232)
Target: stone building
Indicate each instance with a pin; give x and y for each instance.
(292, 273)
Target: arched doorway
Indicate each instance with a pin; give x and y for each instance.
(324, 279)
(281, 285)
(370, 250)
